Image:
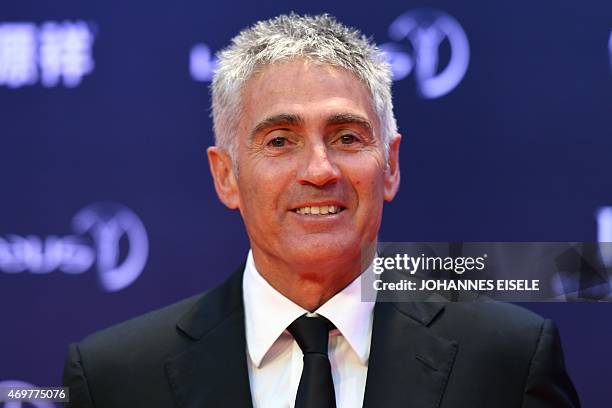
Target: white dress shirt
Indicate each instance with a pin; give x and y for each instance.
(275, 359)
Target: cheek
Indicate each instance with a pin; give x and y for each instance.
(370, 193)
(365, 165)
(367, 178)
(263, 189)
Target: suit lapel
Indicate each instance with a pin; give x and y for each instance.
(409, 365)
(212, 372)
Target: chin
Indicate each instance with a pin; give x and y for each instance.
(324, 251)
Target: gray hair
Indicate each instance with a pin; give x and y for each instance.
(320, 38)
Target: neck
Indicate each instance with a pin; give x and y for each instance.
(311, 284)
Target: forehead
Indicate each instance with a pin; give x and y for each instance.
(310, 89)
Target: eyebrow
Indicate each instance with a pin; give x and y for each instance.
(282, 119)
(290, 119)
(348, 119)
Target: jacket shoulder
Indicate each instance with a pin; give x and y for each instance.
(509, 350)
(507, 317)
(502, 338)
(491, 325)
(150, 336)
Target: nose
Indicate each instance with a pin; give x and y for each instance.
(319, 168)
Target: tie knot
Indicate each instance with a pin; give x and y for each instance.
(311, 333)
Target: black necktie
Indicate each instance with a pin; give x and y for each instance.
(316, 389)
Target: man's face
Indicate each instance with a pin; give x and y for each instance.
(312, 174)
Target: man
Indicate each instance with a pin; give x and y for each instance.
(307, 150)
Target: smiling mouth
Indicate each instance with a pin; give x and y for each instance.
(319, 210)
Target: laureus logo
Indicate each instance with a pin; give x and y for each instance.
(109, 236)
(418, 38)
(108, 223)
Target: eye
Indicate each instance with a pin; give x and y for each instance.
(278, 142)
(347, 139)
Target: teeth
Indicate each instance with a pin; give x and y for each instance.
(316, 210)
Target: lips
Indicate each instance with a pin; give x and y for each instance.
(319, 209)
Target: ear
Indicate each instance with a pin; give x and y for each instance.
(392, 172)
(223, 175)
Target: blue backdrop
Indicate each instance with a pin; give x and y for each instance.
(107, 208)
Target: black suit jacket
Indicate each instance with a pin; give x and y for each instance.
(423, 355)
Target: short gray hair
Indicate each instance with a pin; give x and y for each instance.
(320, 38)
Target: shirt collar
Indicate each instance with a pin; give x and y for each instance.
(268, 313)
